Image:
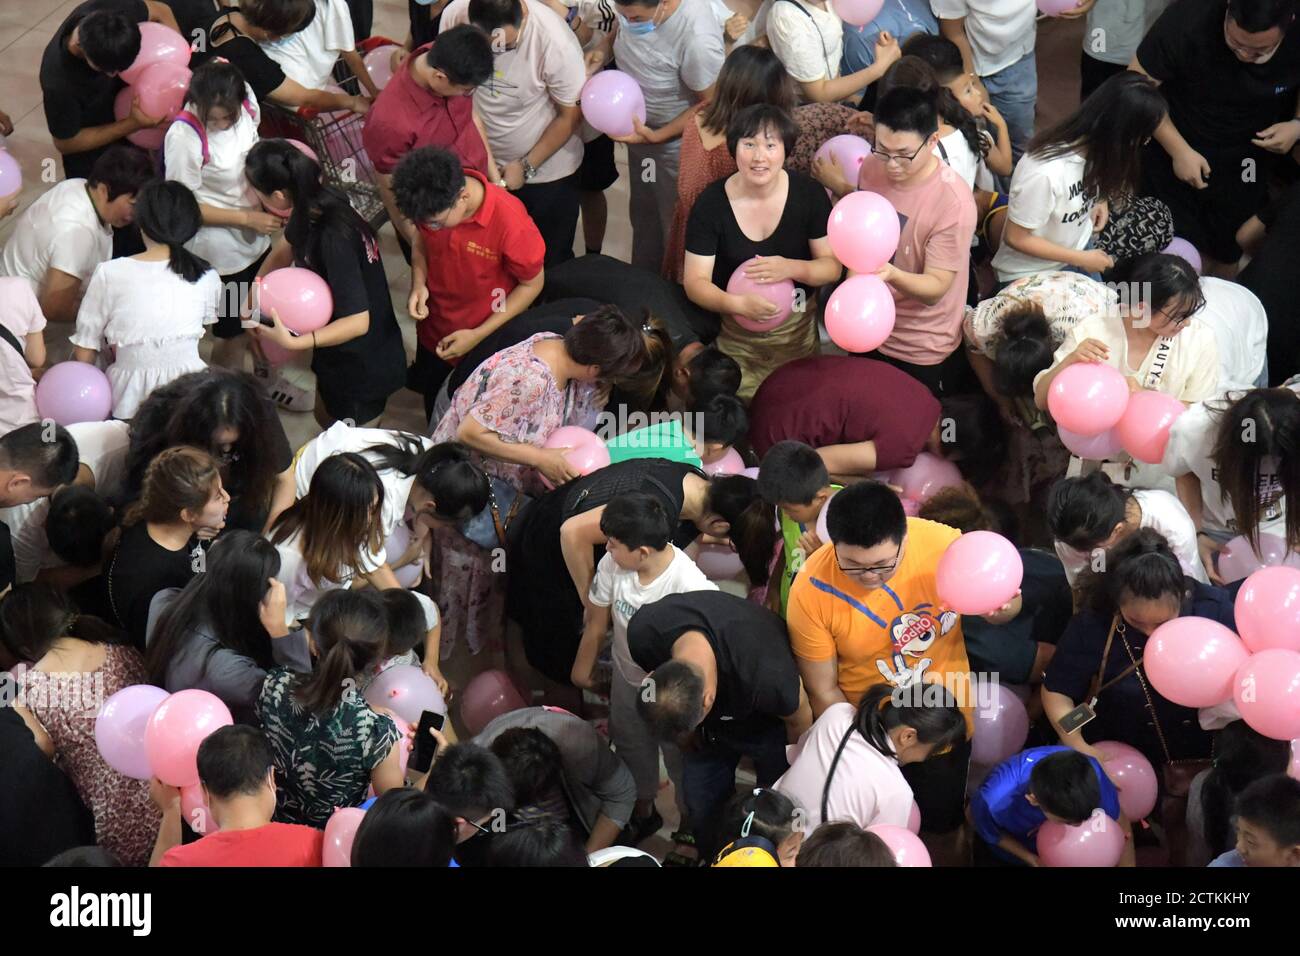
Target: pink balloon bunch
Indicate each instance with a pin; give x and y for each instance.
(158, 44)
(300, 297)
(718, 562)
(609, 101)
(926, 476)
(780, 294)
(1097, 842)
(120, 726)
(906, 846)
(980, 572)
(1135, 777)
(858, 12)
(1185, 250)
(176, 728)
(586, 453)
(860, 314)
(1000, 730)
(1267, 610)
(729, 464)
(1088, 398)
(486, 697)
(11, 174)
(1144, 428)
(379, 64)
(407, 691)
(1238, 559)
(161, 88)
(863, 230)
(1192, 661)
(340, 832)
(72, 392)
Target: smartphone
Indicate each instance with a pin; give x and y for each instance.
(1076, 718)
(425, 745)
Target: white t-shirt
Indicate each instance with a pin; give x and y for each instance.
(956, 152)
(308, 56)
(808, 40)
(681, 57)
(21, 314)
(300, 592)
(221, 183)
(342, 437)
(1161, 512)
(101, 447)
(1000, 32)
(623, 593)
(1240, 326)
(61, 230)
(868, 787)
(518, 101)
(1047, 198)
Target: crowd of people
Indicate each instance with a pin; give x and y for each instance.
(731, 596)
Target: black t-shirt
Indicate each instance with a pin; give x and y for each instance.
(75, 96)
(372, 366)
(8, 566)
(757, 675)
(1271, 276)
(712, 229)
(41, 814)
(1216, 100)
(1009, 649)
(652, 476)
(138, 570)
(196, 19)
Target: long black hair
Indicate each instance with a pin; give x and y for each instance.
(33, 616)
(167, 212)
(459, 488)
(1241, 756)
(753, 530)
(1261, 425)
(275, 165)
(1141, 565)
(223, 601)
(350, 630)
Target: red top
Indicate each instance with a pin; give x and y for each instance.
(475, 265)
(406, 116)
(276, 844)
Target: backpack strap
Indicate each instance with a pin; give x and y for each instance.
(192, 121)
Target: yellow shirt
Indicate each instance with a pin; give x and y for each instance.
(898, 633)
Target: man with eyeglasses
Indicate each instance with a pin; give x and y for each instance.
(472, 784)
(930, 273)
(1230, 71)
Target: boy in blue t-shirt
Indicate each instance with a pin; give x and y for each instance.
(1267, 819)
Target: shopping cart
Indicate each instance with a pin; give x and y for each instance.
(335, 138)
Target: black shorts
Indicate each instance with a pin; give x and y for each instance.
(232, 296)
(597, 172)
(344, 407)
(939, 787)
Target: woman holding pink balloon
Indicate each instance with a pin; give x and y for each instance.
(808, 37)
(150, 310)
(752, 234)
(78, 662)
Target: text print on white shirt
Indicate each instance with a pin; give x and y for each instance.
(76, 909)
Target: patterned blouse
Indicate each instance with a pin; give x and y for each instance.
(321, 763)
(1066, 298)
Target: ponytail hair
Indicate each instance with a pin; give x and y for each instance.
(736, 500)
(460, 489)
(167, 212)
(276, 165)
(179, 479)
(1024, 348)
(647, 388)
(350, 631)
(881, 711)
(33, 616)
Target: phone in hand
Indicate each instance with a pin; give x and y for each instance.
(425, 745)
(1075, 719)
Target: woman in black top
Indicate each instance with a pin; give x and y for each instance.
(358, 358)
(561, 530)
(162, 545)
(763, 211)
(1142, 588)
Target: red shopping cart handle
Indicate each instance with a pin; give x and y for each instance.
(374, 43)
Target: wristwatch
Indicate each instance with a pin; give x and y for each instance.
(530, 171)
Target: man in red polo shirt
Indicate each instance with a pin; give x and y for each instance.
(476, 262)
(428, 102)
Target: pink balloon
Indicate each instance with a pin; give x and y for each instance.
(340, 832)
(1238, 558)
(398, 543)
(73, 392)
(162, 88)
(1183, 249)
(273, 353)
(848, 151)
(158, 44)
(858, 12)
(1192, 661)
(980, 572)
(486, 697)
(379, 64)
(174, 732)
(587, 453)
(926, 476)
(780, 294)
(718, 562)
(1144, 428)
(195, 810)
(609, 101)
(120, 726)
(299, 296)
(749, 473)
(1054, 8)
(1268, 610)
(1088, 398)
(1267, 693)
(1000, 730)
(1099, 447)
(729, 464)
(906, 846)
(823, 533)
(863, 230)
(11, 174)
(860, 314)
(1135, 776)
(407, 691)
(911, 507)
(303, 148)
(914, 818)
(144, 138)
(1097, 842)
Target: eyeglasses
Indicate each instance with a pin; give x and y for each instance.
(1248, 53)
(877, 572)
(888, 158)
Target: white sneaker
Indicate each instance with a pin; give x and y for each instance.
(289, 397)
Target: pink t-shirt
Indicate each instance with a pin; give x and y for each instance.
(938, 220)
(21, 314)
